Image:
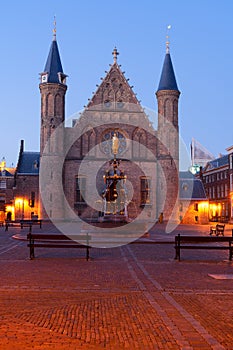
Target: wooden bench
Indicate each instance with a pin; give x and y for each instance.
(14, 223)
(45, 240)
(202, 242)
(217, 230)
(28, 223)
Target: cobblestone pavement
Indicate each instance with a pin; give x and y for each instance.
(131, 297)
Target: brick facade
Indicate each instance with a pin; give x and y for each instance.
(149, 158)
(216, 180)
(114, 107)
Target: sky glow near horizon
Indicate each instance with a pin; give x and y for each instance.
(200, 45)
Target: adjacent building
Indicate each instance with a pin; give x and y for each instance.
(217, 179)
(194, 204)
(6, 191)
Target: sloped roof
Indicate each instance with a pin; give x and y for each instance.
(186, 175)
(190, 187)
(29, 163)
(168, 79)
(6, 172)
(53, 64)
(217, 163)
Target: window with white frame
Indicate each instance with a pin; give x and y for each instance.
(3, 184)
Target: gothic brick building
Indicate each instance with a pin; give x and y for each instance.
(73, 160)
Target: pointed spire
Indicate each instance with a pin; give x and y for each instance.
(168, 79)
(53, 72)
(53, 66)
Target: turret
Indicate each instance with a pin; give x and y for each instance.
(168, 137)
(53, 89)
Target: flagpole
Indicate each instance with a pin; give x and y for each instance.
(192, 151)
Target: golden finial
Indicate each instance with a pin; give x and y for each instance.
(54, 28)
(3, 164)
(115, 53)
(167, 39)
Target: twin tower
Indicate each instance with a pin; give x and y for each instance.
(149, 157)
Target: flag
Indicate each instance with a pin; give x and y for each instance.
(199, 154)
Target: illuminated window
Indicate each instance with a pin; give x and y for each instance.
(196, 206)
(32, 200)
(145, 190)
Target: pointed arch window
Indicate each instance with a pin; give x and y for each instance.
(80, 189)
(140, 143)
(49, 104)
(57, 105)
(168, 110)
(145, 183)
(88, 142)
(175, 112)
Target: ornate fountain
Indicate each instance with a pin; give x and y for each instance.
(114, 196)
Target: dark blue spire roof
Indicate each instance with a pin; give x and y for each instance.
(53, 65)
(168, 79)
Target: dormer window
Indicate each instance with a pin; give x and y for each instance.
(185, 187)
(62, 78)
(44, 77)
(35, 164)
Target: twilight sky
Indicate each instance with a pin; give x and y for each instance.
(87, 31)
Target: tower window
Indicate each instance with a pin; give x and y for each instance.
(145, 190)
